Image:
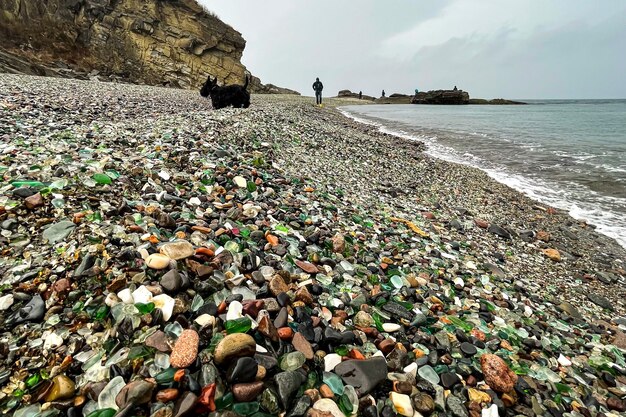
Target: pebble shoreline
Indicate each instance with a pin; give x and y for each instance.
(159, 258)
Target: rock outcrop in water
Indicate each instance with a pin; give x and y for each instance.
(441, 97)
(160, 42)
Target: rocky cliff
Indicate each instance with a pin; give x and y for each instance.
(158, 42)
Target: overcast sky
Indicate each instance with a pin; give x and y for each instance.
(491, 48)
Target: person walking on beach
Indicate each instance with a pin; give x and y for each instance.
(318, 87)
(383, 95)
(360, 95)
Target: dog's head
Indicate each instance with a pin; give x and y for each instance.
(209, 85)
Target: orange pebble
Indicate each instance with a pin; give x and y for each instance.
(205, 251)
(355, 354)
(178, 376)
(273, 240)
(285, 333)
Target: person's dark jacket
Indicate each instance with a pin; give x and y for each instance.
(318, 86)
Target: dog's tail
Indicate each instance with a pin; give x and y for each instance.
(245, 86)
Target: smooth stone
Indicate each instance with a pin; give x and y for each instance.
(456, 406)
(33, 311)
(497, 373)
(179, 249)
(106, 399)
(423, 403)
(331, 360)
(402, 404)
(52, 341)
(326, 405)
(142, 295)
(58, 231)
(185, 349)
(171, 281)
(6, 301)
(235, 311)
(301, 407)
(136, 393)
(158, 341)
(157, 261)
(234, 346)
(391, 327)
(243, 370)
(185, 404)
(287, 384)
(364, 375)
(363, 319)
(490, 412)
(166, 304)
(600, 301)
(449, 379)
(246, 392)
(167, 395)
(62, 388)
(302, 345)
(240, 181)
(468, 348)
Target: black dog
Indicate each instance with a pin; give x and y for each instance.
(230, 95)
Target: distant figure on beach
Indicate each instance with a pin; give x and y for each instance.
(318, 87)
(360, 95)
(455, 89)
(416, 91)
(383, 95)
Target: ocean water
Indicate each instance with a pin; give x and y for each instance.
(570, 154)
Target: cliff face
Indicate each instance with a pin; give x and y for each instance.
(159, 42)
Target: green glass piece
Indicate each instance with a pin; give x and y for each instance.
(440, 369)
(27, 183)
(341, 350)
(562, 388)
(33, 380)
(378, 322)
(101, 178)
(281, 228)
(139, 352)
(334, 382)
(251, 186)
(224, 401)
(113, 174)
(217, 337)
(105, 412)
(145, 308)
(240, 325)
(345, 405)
(460, 323)
(311, 381)
(269, 401)
(245, 232)
(102, 312)
(396, 281)
(165, 377)
(292, 361)
(197, 302)
(246, 409)
(232, 246)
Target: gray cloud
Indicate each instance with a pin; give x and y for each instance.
(512, 49)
